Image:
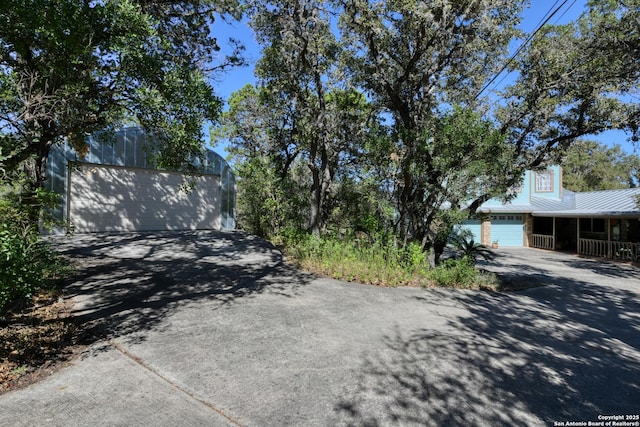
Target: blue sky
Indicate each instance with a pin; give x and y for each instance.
(233, 80)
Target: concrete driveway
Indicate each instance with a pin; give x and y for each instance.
(212, 328)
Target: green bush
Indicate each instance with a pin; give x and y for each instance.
(461, 273)
(380, 261)
(28, 264)
(454, 274)
(413, 257)
(462, 242)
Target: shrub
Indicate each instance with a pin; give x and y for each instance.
(27, 263)
(455, 274)
(413, 258)
(379, 261)
(462, 241)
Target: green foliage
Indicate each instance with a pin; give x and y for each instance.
(435, 155)
(266, 203)
(314, 118)
(412, 257)
(381, 261)
(454, 273)
(591, 166)
(76, 67)
(368, 260)
(386, 127)
(358, 206)
(462, 274)
(574, 80)
(462, 241)
(27, 263)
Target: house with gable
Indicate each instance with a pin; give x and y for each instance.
(545, 215)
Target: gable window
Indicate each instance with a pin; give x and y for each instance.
(544, 182)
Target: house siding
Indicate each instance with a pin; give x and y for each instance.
(558, 219)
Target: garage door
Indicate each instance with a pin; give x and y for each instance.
(473, 225)
(112, 198)
(508, 230)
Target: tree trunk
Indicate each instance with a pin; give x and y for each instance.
(35, 172)
(314, 203)
(316, 191)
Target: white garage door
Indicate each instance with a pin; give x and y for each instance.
(112, 198)
(508, 230)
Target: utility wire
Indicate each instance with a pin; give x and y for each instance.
(522, 46)
(565, 11)
(538, 25)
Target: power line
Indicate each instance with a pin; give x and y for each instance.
(528, 39)
(565, 11)
(539, 24)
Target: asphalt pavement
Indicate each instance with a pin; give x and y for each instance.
(215, 329)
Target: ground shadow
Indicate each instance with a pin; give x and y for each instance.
(609, 268)
(128, 283)
(568, 351)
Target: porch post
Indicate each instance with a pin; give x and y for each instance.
(553, 244)
(578, 235)
(609, 252)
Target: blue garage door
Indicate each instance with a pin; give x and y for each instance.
(508, 230)
(474, 226)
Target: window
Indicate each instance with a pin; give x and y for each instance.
(593, 225)
(544, 182)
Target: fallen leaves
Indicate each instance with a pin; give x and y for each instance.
(37, 341)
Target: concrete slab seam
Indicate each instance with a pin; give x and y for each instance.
(140, 362)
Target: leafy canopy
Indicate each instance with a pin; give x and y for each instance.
(76, 66)
(430, 141)
(591, 166)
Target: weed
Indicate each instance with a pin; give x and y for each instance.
(19, 370)
(378, 261)
(27, 263)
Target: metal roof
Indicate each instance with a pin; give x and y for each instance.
(593, 203)
(507, 208)
(625, 200)
(546, 204)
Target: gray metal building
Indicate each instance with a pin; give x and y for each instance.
(114, 187)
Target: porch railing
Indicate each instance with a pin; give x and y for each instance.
(626, 251)
(542, 241)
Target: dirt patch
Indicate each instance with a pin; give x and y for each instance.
(37, 341)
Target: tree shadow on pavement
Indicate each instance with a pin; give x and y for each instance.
(609, 268)
(561, 353)
(129, 283)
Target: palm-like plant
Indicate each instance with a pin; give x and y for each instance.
(462, 241)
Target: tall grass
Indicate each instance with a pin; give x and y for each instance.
(380, 262)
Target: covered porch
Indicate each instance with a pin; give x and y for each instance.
(612, 237)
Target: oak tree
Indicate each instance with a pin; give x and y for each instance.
(72, 67)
